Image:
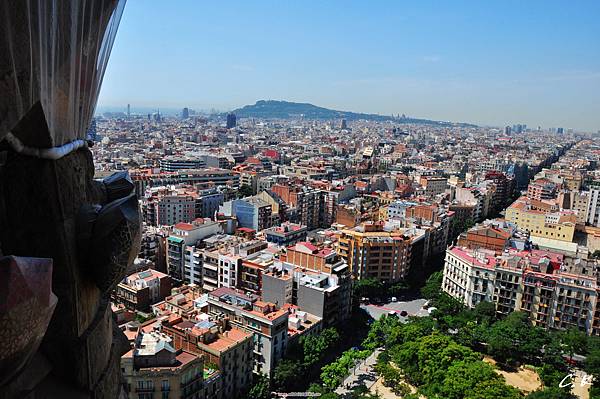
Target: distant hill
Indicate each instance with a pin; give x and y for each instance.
(272, 109)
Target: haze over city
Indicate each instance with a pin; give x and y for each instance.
(535, 62)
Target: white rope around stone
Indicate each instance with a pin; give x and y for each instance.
(52, 153)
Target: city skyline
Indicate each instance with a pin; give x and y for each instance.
(533, 63)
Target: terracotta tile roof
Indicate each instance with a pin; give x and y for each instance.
(184, 226)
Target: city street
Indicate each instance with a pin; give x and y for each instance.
(362, 375)
(413, 308)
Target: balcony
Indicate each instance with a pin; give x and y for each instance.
(144, 390)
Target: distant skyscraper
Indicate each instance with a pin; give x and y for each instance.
(560, 130)
(507, 130)
(128, 111)
(185, 113)
(344, 125)
(518, 128)
(231, 121)
(92, 134)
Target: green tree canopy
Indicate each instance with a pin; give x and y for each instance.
(261, 388)
(368, 287)
(433, 286)
(287, 375)
(514, 339)
(315, 347)
(463, 377)
(485, 312)
(551, 393)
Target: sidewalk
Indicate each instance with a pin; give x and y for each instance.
(362, 375)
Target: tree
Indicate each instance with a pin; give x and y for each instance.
(380, 332)
(426, 360)
(261, 388)
(334, 373)
(362, 392)
(397, 289)
(485, 312)
(245, 191)
(433, 286)
(494, 388)
(368, 287)
(550, 393)
(592, 365)
(391, 375)
(575, 341)
(554, 367)
(315, 347)
(286, 375)
(401, 389)
(446, 304)
(463, 377)
(142, 319)
(514, 339)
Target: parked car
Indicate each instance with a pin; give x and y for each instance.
(394, 299)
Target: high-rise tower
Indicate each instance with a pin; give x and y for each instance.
(231, 121)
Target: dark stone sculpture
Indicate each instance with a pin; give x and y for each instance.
(52, 59)
(115, 242)
(26, 305)
(40, 210)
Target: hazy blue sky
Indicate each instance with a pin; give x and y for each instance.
(536, 62)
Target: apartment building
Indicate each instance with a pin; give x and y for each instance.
(309, 204)
(155, 369)
(313, 257)
(221, 263)
(504, 189)
(433, 185)
(286, 234)
(251, 212)
(493, 236)
(396, 210)
(541, 189)
(535, 282)
(481, 198)
(250, 179)
(554, 225)
(173, 163)
(264, 320)
(183, 301)
(327, 296)
(186, 234)
(371, 252)
(203, 178)
(152, 247)
(593, 210)
(218, 343)
(251, 269)
(279, 209)
(140, 290)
